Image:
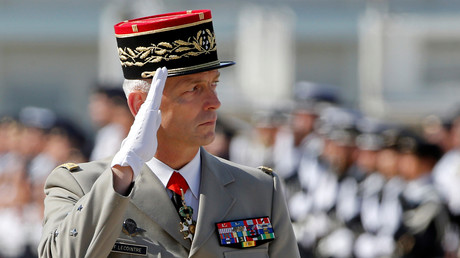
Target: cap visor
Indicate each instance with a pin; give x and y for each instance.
(220, 65)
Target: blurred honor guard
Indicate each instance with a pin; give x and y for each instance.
(109, 112)
(162, 194)
(424, 216)
(381, 217)
(256, 148)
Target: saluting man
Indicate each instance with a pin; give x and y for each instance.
(162, 194)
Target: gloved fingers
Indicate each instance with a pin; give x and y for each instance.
(156, 88)
(141, 143)
(152, 103)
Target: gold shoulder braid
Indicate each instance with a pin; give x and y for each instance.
(69, 166)
(266, 170)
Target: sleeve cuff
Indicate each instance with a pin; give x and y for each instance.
(128, 159)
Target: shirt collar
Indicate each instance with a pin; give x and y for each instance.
(191, 172)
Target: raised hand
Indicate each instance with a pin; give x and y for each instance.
(141, 143)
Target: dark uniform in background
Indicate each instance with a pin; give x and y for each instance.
(424, 215)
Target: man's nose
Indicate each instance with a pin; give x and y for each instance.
(212, 101)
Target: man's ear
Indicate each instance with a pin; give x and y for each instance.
(135, 100)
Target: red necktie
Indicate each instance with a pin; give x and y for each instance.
(177, 182)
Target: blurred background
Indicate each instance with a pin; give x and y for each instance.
(308, 73)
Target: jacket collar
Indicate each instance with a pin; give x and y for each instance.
(215, 199)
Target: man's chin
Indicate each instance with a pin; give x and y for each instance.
(208, 138)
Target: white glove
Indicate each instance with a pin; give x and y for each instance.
(141, 143)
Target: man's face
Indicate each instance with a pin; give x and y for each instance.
(188, 109)
(409, 166)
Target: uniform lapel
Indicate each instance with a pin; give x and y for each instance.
(150, 196)
(215, 200)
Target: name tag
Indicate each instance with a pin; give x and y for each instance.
(129, 249)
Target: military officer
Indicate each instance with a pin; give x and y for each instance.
(162, 195)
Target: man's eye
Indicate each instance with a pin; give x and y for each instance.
(193, 89)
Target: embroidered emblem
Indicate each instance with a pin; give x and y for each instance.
(203, 43)
(119, 247)
(130, 228)
(245, 233)
(74, 232)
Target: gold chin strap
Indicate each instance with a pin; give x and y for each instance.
(173, 71)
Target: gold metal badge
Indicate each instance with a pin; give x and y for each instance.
(266, 170)
(70, 166)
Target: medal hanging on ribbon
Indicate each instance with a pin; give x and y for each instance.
(188, 225)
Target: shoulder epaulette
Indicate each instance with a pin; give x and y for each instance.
(266, 170)
(70, 166)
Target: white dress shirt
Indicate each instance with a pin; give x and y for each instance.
(191, 172)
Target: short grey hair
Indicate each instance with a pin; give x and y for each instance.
(136, 85)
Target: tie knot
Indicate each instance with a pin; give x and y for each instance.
(177, 182)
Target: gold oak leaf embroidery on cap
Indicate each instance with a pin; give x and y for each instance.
(203, 43)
